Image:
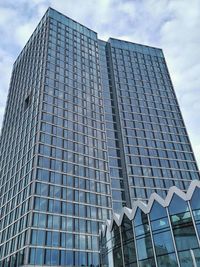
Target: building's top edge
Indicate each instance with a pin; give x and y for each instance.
(140, 48)
(146, 208)
(88, 31)
(91, 33)
(130, 44)
(68, 18)
(133, 43)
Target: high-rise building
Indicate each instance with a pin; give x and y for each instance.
(89, 125)
(148, 146)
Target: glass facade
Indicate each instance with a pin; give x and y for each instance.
(55, 187)
(161, 233)
(89, 126)
(148, 146)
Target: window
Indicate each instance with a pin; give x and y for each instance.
(163, 243)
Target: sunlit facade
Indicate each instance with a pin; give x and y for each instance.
(90, 126)
(160, 234)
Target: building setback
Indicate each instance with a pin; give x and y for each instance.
(89, 126)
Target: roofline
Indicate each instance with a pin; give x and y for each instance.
(154, 47)
(50, 8)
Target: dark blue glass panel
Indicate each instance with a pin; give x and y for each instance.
(48, 257)
(160, 224)
(163, 243)
(32, 256)
(167, 260)
(157, 211)
(69, 258)
(140, 217)
(144, 248)
(195, 201)
(177, 205)
(39, 256)
(55, 257)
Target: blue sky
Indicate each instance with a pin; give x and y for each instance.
(172, 25)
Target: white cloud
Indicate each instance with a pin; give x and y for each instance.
(6, 62)
(6, 13)
(180, 40)
(172, 25)
(23, 33)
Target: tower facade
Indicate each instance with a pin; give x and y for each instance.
(148, 145)
(89, 125)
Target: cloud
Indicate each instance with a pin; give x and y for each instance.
(180, 40)
(6, 61)
(172, 25)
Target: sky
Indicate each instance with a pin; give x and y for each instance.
(172, 25)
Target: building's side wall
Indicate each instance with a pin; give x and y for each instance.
(157, 150)
(72, 193)
(18, 147)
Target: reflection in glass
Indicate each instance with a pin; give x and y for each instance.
(117, 251)
(163, 243)
(128, 241)
(167, 260)
(143, 238)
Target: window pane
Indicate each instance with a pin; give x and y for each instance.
(163, 243)
(177, 205)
